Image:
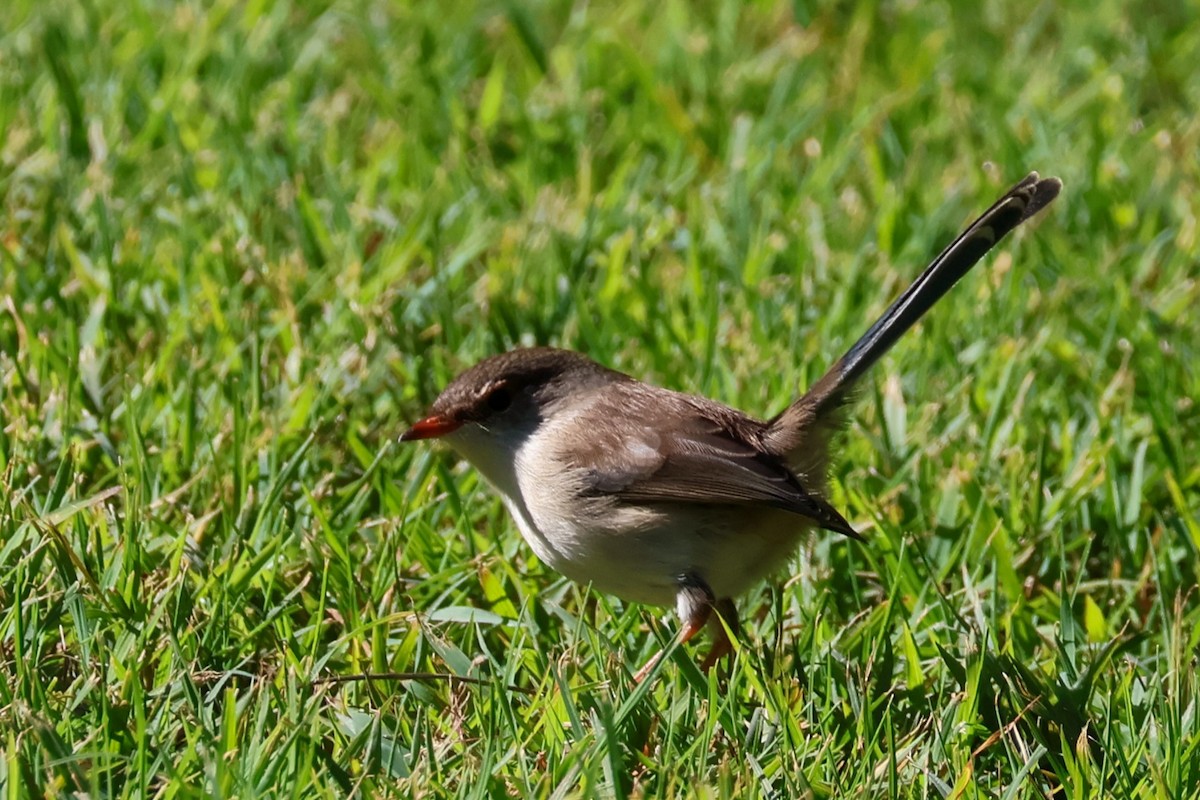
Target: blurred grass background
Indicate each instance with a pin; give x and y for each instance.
(244, 243)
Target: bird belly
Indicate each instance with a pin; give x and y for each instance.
(638, 551)
(612, 558)
(642, 552)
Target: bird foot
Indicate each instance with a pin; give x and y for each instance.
(695, 606)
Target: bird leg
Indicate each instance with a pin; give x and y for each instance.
(727, 612)
(694, 604)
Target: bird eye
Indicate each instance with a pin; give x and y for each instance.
(499, 398)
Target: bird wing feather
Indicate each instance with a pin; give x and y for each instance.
(699, 461)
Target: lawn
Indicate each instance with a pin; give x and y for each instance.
(243, 244)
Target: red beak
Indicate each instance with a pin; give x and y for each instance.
(430, 428)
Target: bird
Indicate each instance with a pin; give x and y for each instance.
(666, 498)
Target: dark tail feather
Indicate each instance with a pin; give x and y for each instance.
(1019, 204)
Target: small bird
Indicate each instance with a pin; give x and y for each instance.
(661, 497)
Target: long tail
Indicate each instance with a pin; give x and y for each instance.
(832, 391)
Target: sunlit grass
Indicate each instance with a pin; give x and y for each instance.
(243, 245)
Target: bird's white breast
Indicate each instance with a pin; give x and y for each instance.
(638, 552)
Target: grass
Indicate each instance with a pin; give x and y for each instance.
(243, 244)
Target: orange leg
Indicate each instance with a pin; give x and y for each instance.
(694, 604)
(689, 629)
(721, 644)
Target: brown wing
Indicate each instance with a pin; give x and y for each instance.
(697, 460)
